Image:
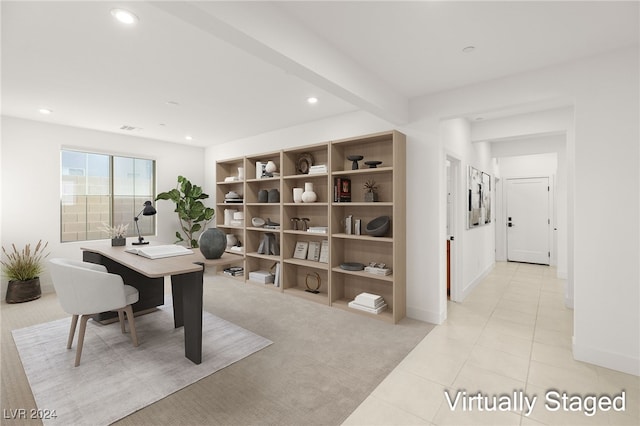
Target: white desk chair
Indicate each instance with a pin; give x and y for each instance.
(87, 289)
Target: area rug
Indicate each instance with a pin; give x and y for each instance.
(115, 378)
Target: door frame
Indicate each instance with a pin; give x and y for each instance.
(456, 219)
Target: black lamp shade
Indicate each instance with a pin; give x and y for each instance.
(148, 210)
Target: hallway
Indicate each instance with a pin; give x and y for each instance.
(511, 334)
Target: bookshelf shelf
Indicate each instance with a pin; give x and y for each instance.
(337, 286)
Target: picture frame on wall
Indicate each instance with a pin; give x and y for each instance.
(478, 198)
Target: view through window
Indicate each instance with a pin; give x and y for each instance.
(102, 189)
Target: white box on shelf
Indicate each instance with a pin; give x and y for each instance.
(262, 277)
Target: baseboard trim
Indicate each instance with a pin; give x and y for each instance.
(614, 361)
(426, 316)
(469, 287)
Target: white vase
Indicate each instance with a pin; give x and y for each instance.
(270, 167)
(297, 195)
(308, 196)
(232, 240)
(241, 173)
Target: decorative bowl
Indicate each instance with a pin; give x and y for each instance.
(355, 159)
(352, 266)
(372, 164)
(257, 222)
(378, 227)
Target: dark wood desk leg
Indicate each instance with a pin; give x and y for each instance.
(188, 287)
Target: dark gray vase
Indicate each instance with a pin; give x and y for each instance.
(212, 243)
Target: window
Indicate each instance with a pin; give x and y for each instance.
(101, 189)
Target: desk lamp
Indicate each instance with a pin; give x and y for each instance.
(148, 210)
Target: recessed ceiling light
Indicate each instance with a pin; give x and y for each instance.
(188, 137)
(45, 111)
(469, 49)
(124, 16)
(172, 103)
(312, 100)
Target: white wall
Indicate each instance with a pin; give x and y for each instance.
(31, 180)
(475, 246)
(602, 167)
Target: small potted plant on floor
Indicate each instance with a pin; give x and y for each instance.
(117, 233)
(23, 269)
(370, 191)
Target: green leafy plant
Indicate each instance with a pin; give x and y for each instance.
(24, 265)
(192, 213)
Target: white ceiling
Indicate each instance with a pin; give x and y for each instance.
(238, 69)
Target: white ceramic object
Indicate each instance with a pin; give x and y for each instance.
(308, 196)
(240, 173)
(232, 240)
(228, 216)
(297, 195)
(270, 167)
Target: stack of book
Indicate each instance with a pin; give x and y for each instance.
(320, 168)
(318, 229)
(368, 302)
(341, 190)
(234, 271)
(377, 271)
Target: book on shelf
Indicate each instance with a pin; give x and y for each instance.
(357, 225)
(360, 307)
(159, 252)
(369, 300)
(262, 277)
(318, 229)
(277, 279)
(341, 190)
(234, 201)
(234, 271)
(300, 251)
(377, 271)
(313, 252)
(324, 252)
(319, 168)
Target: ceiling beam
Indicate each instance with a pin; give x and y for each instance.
(263, 30)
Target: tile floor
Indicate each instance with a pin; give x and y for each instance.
(512, 333)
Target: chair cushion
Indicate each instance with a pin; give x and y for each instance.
(132, 294)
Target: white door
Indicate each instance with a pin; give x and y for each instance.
(528, 220)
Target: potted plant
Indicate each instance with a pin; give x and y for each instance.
(370, 191)
(117, 233)
(192, 213)
(23, 269)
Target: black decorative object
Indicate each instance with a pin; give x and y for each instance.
(212, 243)
(119, 241)
(355, 159)
(373, 164)
(304, 162)
(352, 266)
(23, 291)
(273, 196)
(379, 226)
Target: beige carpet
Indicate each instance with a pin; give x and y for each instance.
(114, 378)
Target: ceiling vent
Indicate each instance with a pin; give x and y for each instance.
(130, 128)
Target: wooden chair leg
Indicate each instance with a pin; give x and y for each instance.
(72, 330)
(83, 328)
(121, 319)
(134, 337)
